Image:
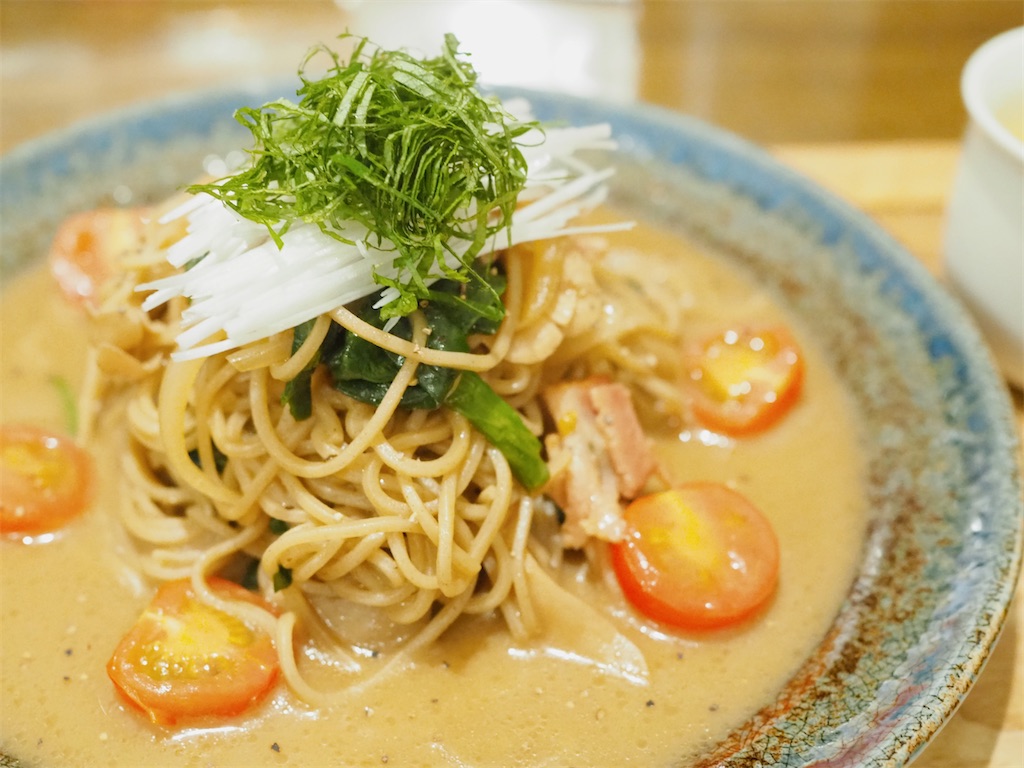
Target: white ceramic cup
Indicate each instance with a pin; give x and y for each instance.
(984, 244)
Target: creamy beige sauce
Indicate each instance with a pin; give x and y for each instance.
(474, 700)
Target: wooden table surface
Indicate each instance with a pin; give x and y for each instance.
(794, 78)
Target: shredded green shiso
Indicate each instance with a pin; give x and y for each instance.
(410, 149)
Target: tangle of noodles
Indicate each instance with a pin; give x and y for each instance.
(409, 513)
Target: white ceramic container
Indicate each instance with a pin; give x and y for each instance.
(984, 245)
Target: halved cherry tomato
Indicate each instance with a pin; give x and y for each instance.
(743, 381)
(45, 480)
(186, 659)
(86, 246)
(699, 556)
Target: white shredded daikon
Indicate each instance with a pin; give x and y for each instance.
(242, 287)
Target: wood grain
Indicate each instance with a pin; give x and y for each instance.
(771, 70)
(817, 70)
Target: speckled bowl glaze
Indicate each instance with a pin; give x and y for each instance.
(944, 547)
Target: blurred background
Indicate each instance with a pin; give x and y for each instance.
(773, 70)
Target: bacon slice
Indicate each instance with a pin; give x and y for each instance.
(600, 455)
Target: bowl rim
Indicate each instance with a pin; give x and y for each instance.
(977, 90)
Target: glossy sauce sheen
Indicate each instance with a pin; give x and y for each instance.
(473, 700)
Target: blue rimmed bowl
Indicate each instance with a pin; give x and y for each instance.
(944, 546)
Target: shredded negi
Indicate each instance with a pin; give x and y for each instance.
(389, 187)
(408, 152)
(407, 184)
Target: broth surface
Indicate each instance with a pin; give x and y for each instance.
(474, 699)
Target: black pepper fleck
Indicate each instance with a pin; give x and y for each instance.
(276, 747)
(68, 651)
(650, 702)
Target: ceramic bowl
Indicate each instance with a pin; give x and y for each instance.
(944, 546)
